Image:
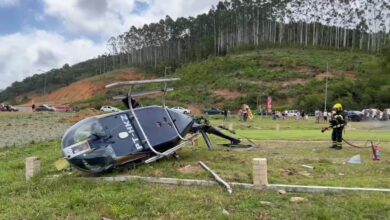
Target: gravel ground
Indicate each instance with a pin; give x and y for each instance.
(21, 129)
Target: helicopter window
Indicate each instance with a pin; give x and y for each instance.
(82, 131)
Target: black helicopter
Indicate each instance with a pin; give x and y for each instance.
(138, 135)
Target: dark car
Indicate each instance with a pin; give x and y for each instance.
(212, 111)
(355, 116)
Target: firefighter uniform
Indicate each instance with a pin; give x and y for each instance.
(337, 122)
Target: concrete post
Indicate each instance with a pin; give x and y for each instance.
(33, 167)
(230, 127)
(260, 177)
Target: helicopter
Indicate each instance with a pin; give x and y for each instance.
(139, 135)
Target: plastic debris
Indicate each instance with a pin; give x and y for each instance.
(61, 164)
(355, 160)
(298, 199)
(225, 212)
(282, 192)
(308, 166)
(266, 203)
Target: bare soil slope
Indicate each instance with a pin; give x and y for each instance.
(85, 89)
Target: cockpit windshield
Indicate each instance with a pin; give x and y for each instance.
(82, 131)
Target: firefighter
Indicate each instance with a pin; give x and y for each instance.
(337, 122)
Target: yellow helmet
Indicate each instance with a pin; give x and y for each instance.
(338, 107)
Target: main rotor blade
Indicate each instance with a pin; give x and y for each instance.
(139, 82)
(121, 97)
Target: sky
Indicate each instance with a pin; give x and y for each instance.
(38, 35)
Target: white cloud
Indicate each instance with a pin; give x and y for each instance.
(113, 17)
(23, 55)
(8, 3)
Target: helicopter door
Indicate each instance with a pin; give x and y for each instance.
(124, 138)
(157, 126)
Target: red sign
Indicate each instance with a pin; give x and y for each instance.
(269, 104)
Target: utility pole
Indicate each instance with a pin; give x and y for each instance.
(166, 71)
(326, 86)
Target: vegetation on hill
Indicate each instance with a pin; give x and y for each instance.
(226, 28)
(295, 78)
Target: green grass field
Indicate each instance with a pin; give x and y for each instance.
(70, 198)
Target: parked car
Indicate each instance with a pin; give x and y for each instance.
(372, 113)
(182, 110)
(8, 108)
(109, 109)
(63, 108)
(212, 111)
(386, 114)
(292, 113)
(45, 108)
(355, 115)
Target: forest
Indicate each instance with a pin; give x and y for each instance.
(230, 27)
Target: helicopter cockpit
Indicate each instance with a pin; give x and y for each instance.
(85, 145)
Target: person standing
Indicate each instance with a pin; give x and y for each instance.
(337, 123)
(225, 114)
(325, 115)
(245, 114)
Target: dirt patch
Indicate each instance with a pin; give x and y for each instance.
(294, 82)
(190, 169)
(336, 74)
(84, 89)
(307, 70)
(195, 110)
(258, 82)
(228, 94)
(81, 115)
(73, 93)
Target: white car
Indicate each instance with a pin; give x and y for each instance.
(109, 109)
(182, 110)
(292, 113)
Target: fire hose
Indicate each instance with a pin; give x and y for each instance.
(349, 143)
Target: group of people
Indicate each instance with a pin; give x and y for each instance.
(322, 116)
(337, 121)
(245, 113)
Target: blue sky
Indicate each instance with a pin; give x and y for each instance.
(38, 35)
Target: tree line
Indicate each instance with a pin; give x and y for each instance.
(231, 25)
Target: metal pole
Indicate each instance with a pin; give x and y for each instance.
(217, 178)
(326, 86)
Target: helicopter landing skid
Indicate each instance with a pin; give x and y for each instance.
(172, 150)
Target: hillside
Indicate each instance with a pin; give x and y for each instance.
(295, 78)
(85, 89)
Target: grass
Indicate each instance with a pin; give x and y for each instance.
(70, 198)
